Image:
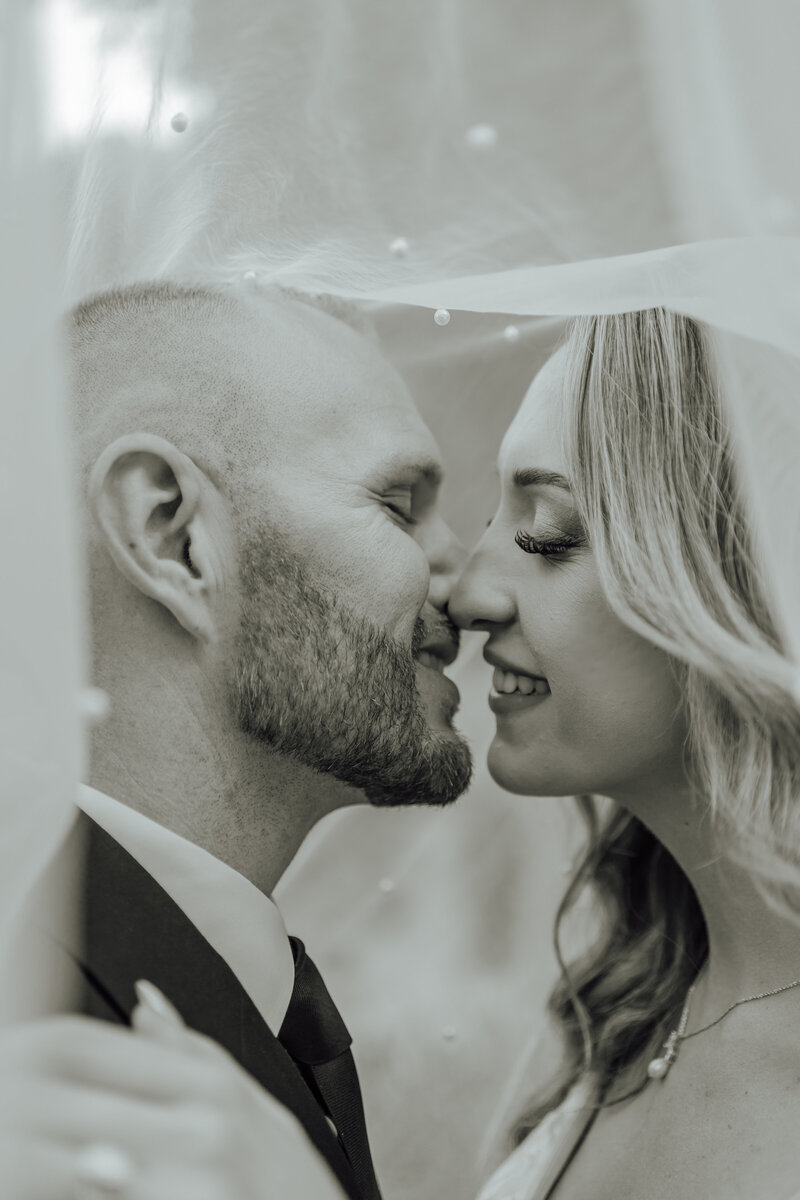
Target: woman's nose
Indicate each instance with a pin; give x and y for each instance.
(480, 599)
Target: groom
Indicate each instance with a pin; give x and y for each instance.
(268, 585)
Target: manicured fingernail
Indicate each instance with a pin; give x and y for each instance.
(149, 995)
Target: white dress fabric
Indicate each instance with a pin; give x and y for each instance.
(533, 1168)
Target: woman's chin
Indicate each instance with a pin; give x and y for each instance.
(513, 770)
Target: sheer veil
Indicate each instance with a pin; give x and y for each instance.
(41, 630)
(473, 173)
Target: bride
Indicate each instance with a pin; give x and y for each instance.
(635, 658)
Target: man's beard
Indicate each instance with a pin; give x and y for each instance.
(334, 692)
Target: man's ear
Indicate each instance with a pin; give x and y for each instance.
(160, 517)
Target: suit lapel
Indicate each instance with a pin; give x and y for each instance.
(133, 930)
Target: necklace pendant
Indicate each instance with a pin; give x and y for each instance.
(657, 1068)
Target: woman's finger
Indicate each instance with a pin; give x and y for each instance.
(220, 1150)
(68, 1113)
(152, 999)
(83, 1050)
(155, 1016)
(36, 1170)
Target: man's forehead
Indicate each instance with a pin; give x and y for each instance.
(389, 440)
(320, 363)
(330, 388)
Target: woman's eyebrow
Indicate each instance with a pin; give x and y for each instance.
(539, 477)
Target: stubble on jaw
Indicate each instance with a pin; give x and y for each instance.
(333, 691)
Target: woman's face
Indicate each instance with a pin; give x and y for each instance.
(582, 703)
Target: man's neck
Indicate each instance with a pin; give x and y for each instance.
(245, 805)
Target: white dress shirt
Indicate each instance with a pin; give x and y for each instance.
(237, 920)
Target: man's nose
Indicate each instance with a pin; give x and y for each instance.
(479, 600)
(446, 556)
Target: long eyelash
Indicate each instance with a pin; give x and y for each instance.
(531, 545)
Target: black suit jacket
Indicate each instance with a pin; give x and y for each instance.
(130, 929)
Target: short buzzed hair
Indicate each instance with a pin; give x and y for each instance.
(88, 315)
(163, 357)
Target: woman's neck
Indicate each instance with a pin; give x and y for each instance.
(754, 944)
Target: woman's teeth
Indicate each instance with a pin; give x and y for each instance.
(508, 682)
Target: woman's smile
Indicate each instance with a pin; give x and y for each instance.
(514, 690)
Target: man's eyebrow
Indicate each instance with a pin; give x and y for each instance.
(539, 477)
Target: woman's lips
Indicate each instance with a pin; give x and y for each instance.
(512, 690)
(507, 682)
(501, 702)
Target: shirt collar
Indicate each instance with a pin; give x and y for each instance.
(237, 920)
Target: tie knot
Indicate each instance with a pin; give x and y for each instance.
(313, 1031)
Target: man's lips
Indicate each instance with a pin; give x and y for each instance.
(440, 641)
(430, 667)
(438, 654)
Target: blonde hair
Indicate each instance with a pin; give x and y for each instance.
(655, 481)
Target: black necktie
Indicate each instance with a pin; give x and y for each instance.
(316, 1037)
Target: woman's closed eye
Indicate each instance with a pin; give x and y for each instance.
(554, 547)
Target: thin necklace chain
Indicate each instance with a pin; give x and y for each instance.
(659, 1068)
(683, 1036)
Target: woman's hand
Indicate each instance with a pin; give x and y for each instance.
(186, 1121)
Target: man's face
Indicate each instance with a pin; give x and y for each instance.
(345, 570)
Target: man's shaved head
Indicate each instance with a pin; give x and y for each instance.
(189, 363)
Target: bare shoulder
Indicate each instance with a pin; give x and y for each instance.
(724, 1125)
